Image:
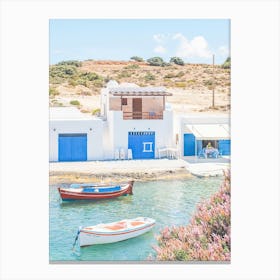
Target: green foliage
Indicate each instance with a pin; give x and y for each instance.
(207, 71)
(137, 58)
(75, 102)
(96, 112)
(132, 66)
(83, 92)
(180, 74)
(55, 103)
(180, 255)
(208, 83)
(89, 76)
(180, 84)
(99, 82)
(61, 73)
(177, 60)
(83, 82)
(173, 75)
(156, 61)
(226, 64)
(53, 92)
(166, 64)
(71, 62)
(67, 71)
(72, 82)
(149, 77)
(169, 76)
(124, 74)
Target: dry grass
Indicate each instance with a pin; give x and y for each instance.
(190, 84)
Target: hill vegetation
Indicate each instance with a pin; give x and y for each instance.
(82, 80)
(227, 64)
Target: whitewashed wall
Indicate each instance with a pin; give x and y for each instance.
(93, 129)
(183, 121)
(117, 131)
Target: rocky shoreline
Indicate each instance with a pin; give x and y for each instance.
(138, 170)
(77, 177)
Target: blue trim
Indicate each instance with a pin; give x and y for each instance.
(224, 147)
(189, 144)
(101, 190)
(199, 147)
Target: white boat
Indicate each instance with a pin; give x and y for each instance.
(114, 232)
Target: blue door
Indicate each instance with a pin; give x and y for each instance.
(72, 147)
(189, 144)
(142, 144)
(224, 147)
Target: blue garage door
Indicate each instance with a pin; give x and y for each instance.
(189, 144)
(72, 147)
(142, 144)
(224, 147)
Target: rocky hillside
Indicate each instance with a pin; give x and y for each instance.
(74, 83)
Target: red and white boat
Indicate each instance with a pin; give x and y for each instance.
(94, 192)
(114, 232)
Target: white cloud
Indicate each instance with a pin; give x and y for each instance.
(159, 49)
(223, 50)
(160, 38)
(197, 47)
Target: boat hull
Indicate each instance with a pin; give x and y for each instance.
(68, 194)
(87, 237)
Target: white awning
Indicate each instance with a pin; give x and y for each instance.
(210, 131)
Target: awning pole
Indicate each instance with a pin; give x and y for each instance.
(195, 147)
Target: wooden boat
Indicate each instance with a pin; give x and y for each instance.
(94, 192)
(114, 232)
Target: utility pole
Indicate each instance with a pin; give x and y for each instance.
(213, 84)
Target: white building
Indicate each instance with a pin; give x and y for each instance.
(134, 123)
(137, 121)
(195, 131)
(73, 136)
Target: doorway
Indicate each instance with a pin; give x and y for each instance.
(214, 143)
(137, 108)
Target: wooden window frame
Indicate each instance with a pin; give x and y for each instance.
(124, 101)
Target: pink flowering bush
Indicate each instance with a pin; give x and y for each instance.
(206, 237)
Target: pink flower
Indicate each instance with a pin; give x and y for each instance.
(206, 237)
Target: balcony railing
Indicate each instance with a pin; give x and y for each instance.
(142, 116)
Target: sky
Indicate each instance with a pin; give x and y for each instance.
(193, 40)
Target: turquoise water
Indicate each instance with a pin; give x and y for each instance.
(168, 202)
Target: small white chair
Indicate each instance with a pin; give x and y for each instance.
(117, 154)
(122, 153)
(129, 154)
